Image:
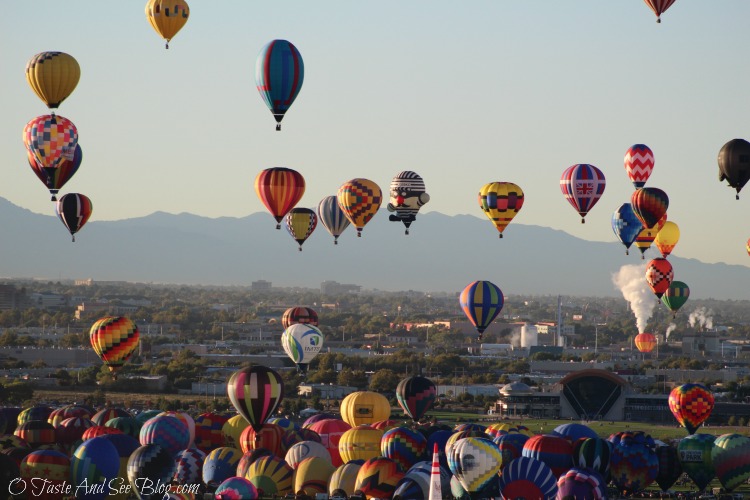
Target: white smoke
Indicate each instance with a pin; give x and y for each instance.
(702, 318)
(670, 329)
(631, 281)
(515, 337)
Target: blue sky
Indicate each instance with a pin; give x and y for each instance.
(464, 93)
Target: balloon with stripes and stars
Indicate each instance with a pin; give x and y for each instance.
(114, 339)
(332, 217)
(300, 224)
(256, 392)
(639, 163)
(95, 462)
(149, 465)
(74, 210)
(481, 302)
(582, 185)
(416, 396)
(360, 200)
(279, 74)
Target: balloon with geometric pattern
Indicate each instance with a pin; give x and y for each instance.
(578, 483)
(114, 339)
(148, 465)
(582, 185)
(675, 296)
(55, 178)
(360, 200)
(481, 302)
(659, 275)
(300, 224)
(256, 392)
(731, 459)
(659, 7)
(647, 236)
(95, 462)
(236, 488)
(475, 462)
(51, 139)
(304, 315)
(416, 396)
(639, 163)
(167, 17)
(167, 431)
(404, 446)
(526, 477)
(649, 204)
(53, 76)
(378, 477)
(691, 404)
(501, 202)
(626, 225)
(279, 74)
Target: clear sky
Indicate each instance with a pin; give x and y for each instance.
(464, 93)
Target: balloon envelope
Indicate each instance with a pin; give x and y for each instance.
(481, 302)
(332, 217)
(582, 185)
(626, 225)
(53, 76)
(114, 339)
(691, 405)
(501, 202)
(407, 196)
(279, 74)
(649, 204)
(167, 17)
(676, 296)
(360, 200)
(639, 163)
(302, 342)
(74, 210)
(279, 189)
(255, 392)
(416, 396)
(300, 224)
(734, 164)
(659, 275)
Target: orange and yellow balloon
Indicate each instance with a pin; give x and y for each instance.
(114, 339)
(360, 200)
(279, 189)
(501, 202)
(167, 17)
(667, 238)
(645, 342)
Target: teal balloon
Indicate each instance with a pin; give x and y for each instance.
(731, 459)
(93, 465)
(695, 455)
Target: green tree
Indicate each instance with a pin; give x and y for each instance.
(384, 381)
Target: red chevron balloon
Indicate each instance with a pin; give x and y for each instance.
(639, 163)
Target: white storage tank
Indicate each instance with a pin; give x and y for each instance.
(529, 336)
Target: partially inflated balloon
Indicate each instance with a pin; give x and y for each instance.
(667, 238)
(407, 197)
(272, 475)
(475, 462)
(526, 477)
(360, 200)
(501, 202)
(147, 466)
(645, 342)
(95, 462)
(675, 296)
(659, 275)
(731, 460)
(734, 164)
(167, 17)
(74, 210)
(582, 483)
(659, 7)
(279, 73)
(695, 456)
(582, 185)
(670, 468)
(639, 163)
(481, 302)
(649, 204)
(378, 477)
(332, 217)
(416, 395)
(691, 405)
(279, 189)
(300, 224)
(114, 339)
(626, 225)
(52, 76)
(255, 392)
(302, 343)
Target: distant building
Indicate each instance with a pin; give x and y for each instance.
(261, 286)
(325, 391)
(10, 297)
(47, 300)
(336, 288)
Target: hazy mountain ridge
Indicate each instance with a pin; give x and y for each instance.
(442, 253)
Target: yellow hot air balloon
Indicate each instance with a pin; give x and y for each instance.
(114, 339)
(500, 201)
(167, 17)
(359, 199)
(232, 430)
(53, 76)
(667, 238)
(360, 443)
(312, 476)
(365, 407)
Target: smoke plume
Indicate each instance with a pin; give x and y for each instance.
(670, 329)
(631, 281)
(702, 318)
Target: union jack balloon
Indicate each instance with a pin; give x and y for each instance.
(639, 163)
(582, 185)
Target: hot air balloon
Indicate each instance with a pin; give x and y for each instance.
(695, 453)
(148, 466)
(639, 163)
(501, 202)
(344, 478)
(747, 246)
(330, 431)
(99, 430)
(303, 315)
(416, 395)
(645, 342)
(220, 464)
(555, 451)
(378, 477)
(574, 432)
(55, 178)
(647, 235)
(670, 468)
(364, 407)
(675, 296)
(94, 463)
(271, 475)
(593, 453)
(51, 139)
(167, 17)
(667, 238)
(126, 425)
(649, 204)
(306, 449)
(279, 189)
(114, 339)
(481, 302)
(302, 343)
(332, 217)
(633, 463)
(360, 200)
(659, 275)
(731, 460)
(404, 446)
(582, 483)
(582, 185)
(51, 465)
(106, 414)
(269, 437)
(232, 430)
(475, 462)
(300, 224)
(691, 405)
(626, 225)
(255, 392)
(311, 476)
(279, 73)
(527, 477)
(53, 76)
(74, 210)
(236, 488)
(407, 197)
(734, 164)
(166, 431)
(659, 7)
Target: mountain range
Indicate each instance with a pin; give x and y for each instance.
(442, 254)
